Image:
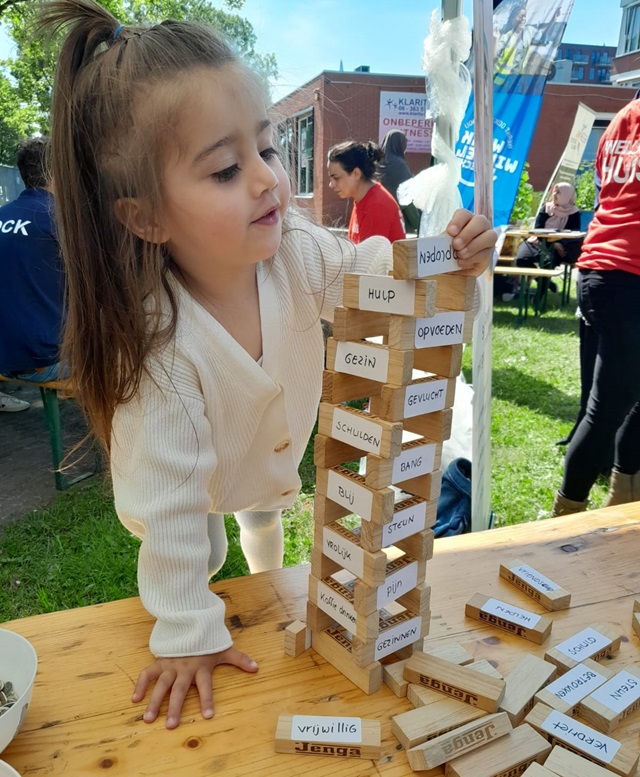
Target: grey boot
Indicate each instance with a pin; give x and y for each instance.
(564, 506)
(623, 488)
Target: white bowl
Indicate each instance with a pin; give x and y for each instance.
(7, 771)
(18, 664)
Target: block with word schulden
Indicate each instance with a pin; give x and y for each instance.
(508, 617)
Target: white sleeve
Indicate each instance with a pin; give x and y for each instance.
(162, 458)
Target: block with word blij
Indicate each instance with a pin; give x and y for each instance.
(396, 348)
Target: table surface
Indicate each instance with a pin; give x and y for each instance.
(546, 234)
(81, 721)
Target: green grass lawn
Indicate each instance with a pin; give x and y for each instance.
(77, 553)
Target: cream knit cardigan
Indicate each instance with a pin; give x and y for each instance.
(216, 432)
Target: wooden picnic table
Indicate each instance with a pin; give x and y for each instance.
(82, 724)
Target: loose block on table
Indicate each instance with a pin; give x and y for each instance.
(565, 693)
(384, 294)
(297, 639)
(597, 641)
(453, 652)
(535, 585)
(485, 667)
(508, 617)
(393, 677)
(535, 770)
(328, 735)
(565, 763)
(635, 623)
(428, 721)
(522, 683)
(607, 706)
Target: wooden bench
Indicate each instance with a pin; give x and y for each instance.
(50, 401)
(525, 274)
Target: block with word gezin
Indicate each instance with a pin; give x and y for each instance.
(536, 585)
(338, 736)
(565, 763)
(598, 641)
(506, 616)
(565, 693)
(522, 683)
(459, 741)
(584, 740)
(607, 706)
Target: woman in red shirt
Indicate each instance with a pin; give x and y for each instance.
(353, 168)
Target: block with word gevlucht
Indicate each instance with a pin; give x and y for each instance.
(598, 641)
(565, 763)
(565, 693)
(337, 736)
(582, 739)
(607, 706)
(522, 683)
(536, 585)
(503, 615)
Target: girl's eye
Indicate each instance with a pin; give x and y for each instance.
(268, 153)
(227, 174)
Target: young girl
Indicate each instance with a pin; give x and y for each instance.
(195, 299)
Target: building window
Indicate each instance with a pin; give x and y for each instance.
(592, 73)
(602, 74)
(305, 154)
(285, 144)
(597, 131)
(578, 73)
(631, 29)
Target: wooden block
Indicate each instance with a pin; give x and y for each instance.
(461, 740)
(419, 545)
(416, 458)
(336, 601)
(393, 677)
(582, 739)
(297, 638)
(565, 693)
(453, 652)
(429, 721)
(503, 615)
(360, 359)
(523, 682)
(341, 736)
(326, 511)
(535, 770)
(359, 429)
(409, 517)
(402, 576)
(423, 257)
(433, 426)
(343, 546)
(350, 490)
(423, 395)
(598, 641)
(444, 360)
(455, 292)
(384, 294)
(606, 707)
(321, 565)
(328, 452)
(485, 667)
(333, 645)
(396, 632)
(564, 763)
(456, 681)
(635, 623)
(535, 585)
(340, 387)
(426, 486)
(636, 604)
(509, 755)
(350, 324)
(445, 327)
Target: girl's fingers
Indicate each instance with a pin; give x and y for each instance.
(483, 243)
(145, 678)
(161, 688)
(205, 691)
(179, 690)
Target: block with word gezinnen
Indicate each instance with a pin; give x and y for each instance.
(459, 682)
(535, 585)
(598, 641)
(506, 616)
(384, 294)
(523, 681)
(424, 257)
(565, 693)
(607, 706)
(582, 739)
(459, 741)
(338, 736)
(565, 763)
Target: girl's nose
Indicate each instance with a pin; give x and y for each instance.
(266, 177)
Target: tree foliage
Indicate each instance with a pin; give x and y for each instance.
(26, 80)
(524, 197)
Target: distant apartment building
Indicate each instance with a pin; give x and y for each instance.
(589, 64)
(626, 64)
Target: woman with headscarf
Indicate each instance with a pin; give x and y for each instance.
(395, 171)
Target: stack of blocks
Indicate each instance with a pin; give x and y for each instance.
(397, 342)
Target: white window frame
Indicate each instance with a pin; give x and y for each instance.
(304, 154)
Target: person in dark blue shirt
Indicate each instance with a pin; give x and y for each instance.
(32, 288)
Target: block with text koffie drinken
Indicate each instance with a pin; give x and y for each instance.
(598, 641)
(503, 615)
(536, 585)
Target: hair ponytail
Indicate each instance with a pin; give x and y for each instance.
(364, 156)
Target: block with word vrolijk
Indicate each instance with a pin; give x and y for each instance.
(535, 585)
(522, 683)
(459, 682)
(565, 693)
(607, 706)
(598, 641)
(385, 294)
(582, 739)
(505, 757)
(459, 741)
(424, 257)
(338, 736)
(565, 763)
(506, 616)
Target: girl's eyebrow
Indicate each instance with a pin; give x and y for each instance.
(227, 140)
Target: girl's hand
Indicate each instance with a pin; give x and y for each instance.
(474, 241)
(174, 676)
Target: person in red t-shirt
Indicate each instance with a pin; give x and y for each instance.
(353, 168)
(609, 300)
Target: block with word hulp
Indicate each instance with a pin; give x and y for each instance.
(485, 667)
(503, 615)
(607, 706)
(416, 458)
(334, 735)
(565, 763)
(459, 741)
(598, 641)
(297, 639)
(522, 683)
(586, 741)
(445, 327)
(423, 396)
(535, 585)
(349, 489)
(459, 682)
(334, 646)
(565, 693)
(385, 294)
(424, 257)
(507, 756)
(428, 721)
(360, 429)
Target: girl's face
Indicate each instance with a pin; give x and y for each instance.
(344, 184)
(225, 191)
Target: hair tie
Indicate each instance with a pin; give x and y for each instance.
(118, 30)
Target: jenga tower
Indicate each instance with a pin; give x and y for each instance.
(398, 341)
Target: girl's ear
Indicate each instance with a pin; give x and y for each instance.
(135, 215)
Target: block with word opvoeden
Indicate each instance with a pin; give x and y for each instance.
(503, 615)
(338, 736)
(598, 641)
(535, 585)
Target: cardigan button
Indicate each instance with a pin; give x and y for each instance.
(289, 492)
(282, 446)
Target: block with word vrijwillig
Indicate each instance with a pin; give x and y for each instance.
(565, 693)
(459, 741)
(522, 683)
(459, 682)
(338, 736)
(565, 763)
(503, 615)
(384, 294)
(297, 638)
(535, 585)
(584, 740)
(598, 641)
(507, 756)
(607, 706)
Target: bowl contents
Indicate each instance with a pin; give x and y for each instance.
(8, 697)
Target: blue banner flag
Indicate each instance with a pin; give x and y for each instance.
(526, 36)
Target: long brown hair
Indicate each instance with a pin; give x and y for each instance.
(103, 151)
